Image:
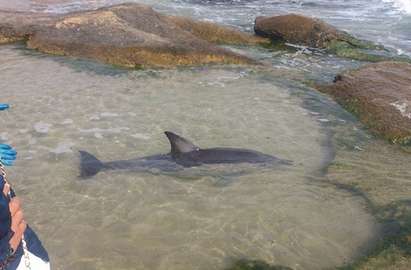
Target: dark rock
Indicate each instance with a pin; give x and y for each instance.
(380, 95)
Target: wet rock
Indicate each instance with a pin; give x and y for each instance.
(315, 33)
(16, 26)
(130, 35)
(380, 95)
(297, 29)
(218, 34)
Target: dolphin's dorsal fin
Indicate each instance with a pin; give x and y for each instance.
(179, 145)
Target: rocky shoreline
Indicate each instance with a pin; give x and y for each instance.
(136, 36)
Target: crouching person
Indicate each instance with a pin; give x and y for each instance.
(20, 248)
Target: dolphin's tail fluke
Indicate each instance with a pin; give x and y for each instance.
(89, 165)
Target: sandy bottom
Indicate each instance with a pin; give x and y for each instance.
(125, 220)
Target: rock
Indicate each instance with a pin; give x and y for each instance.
(130, 35)
(315, 33)
(16, 26)
(380, 95)
(218, 34)
(297, 29)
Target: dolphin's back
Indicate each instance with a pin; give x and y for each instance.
(188, 154)
(232, 155)
(223, 156)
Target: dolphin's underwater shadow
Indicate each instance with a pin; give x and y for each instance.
(183, 154)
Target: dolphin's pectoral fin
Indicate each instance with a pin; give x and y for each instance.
(89, 165)
(179, 145)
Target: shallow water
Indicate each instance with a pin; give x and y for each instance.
(154, 221)
(199, 218)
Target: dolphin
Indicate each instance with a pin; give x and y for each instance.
(183, 154)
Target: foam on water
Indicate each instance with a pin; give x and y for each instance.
(404, 5)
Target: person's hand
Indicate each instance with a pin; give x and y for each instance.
(18, 224)
(7, 154)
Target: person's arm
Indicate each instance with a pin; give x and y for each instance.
(12, 224)
(18, 224)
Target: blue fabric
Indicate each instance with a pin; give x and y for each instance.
(5, 222)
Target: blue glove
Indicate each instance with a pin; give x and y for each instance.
(4, 106)
(7, 154)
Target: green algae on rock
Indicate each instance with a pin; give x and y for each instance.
(316, 33)
(129, 35)
(380, 96)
